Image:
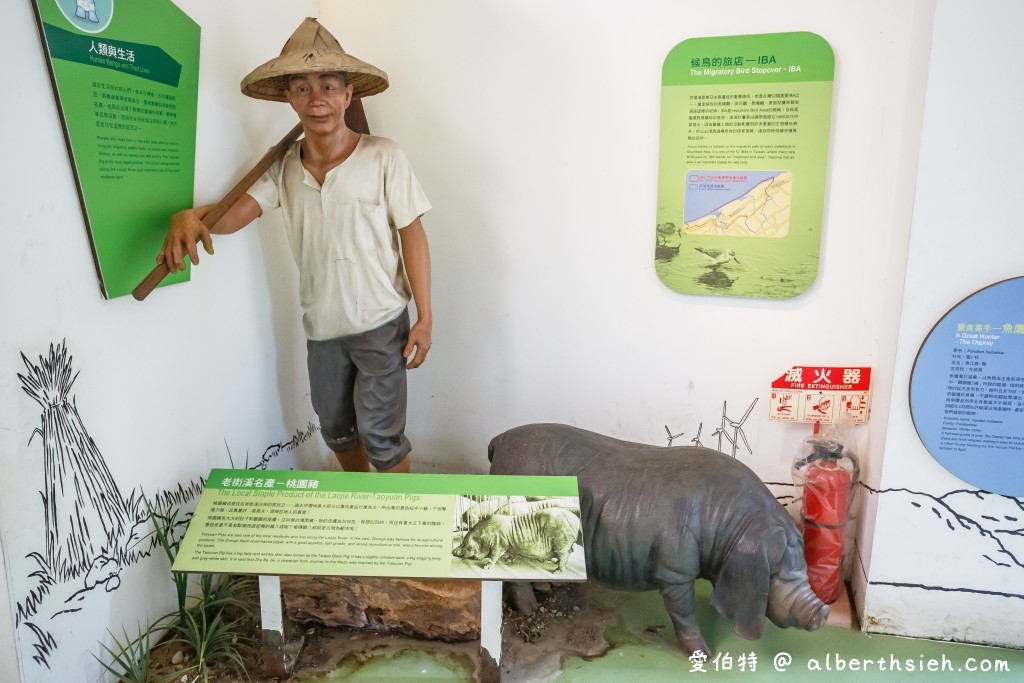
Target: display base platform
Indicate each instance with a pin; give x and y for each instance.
(589, 634)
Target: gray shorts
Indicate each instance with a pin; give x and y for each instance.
(358, 388)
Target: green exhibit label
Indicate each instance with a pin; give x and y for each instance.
(744, 146)
(125, 76)
(356, 524)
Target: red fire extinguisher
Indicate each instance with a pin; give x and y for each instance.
(826, 497)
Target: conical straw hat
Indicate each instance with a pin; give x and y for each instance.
(312, 49)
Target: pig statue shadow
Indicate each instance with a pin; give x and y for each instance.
(656, 517)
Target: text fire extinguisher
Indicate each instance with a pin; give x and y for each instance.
(826, 497)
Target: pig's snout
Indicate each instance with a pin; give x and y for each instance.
(796, 605)
(808, 611)
(818, 617)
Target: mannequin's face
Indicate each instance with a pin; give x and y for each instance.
(320, 100)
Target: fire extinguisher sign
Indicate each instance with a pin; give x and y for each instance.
(813, 393)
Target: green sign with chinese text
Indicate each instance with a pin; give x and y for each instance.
(369, 524)
(125, 76)
(744, 145)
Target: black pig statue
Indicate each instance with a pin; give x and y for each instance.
(656, 517)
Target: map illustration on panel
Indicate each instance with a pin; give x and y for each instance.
(738, 203)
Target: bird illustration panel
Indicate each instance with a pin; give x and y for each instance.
(744, 145)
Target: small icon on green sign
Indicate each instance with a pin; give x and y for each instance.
(91, 16)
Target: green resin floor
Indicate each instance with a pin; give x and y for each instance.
(642, 644)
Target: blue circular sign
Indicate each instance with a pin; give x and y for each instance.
(967, 389)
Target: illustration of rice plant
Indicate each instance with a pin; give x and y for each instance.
(80, 497)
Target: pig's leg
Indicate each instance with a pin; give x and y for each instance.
(674, 576)
(679, 602)
(498, 551)
(562, 558)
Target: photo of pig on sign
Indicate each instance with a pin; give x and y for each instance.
(518, 537)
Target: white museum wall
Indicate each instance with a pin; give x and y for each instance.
(534, 127)
(166, 386)
(534, 130)
(8, 650)
(964, 237)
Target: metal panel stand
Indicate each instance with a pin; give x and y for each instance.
(278, 658)
(490, 631)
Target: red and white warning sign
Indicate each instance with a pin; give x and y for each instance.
(810, 393)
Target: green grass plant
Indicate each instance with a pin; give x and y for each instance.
(211, 640)
(165, 524)
(204, 627)
(129, 660)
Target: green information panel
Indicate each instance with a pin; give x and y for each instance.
(409, 525)
(125, 75)
(744, 145)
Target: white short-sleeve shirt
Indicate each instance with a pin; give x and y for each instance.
(344, 235)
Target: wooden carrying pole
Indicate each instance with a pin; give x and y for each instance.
(355, 119)
(220, 208)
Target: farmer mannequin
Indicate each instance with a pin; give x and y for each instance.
(348, 201)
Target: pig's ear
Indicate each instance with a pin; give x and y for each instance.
(741, 587)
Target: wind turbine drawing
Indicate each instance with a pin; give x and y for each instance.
(672, 437)
(737, 429)
(696, 440)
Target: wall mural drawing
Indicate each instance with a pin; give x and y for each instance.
(988, 526)
(672, 437)
(79, 493)
(300, 437)
(696, 439)
(91, 530)
(722, 431)
(958, 519)
(737, 429)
